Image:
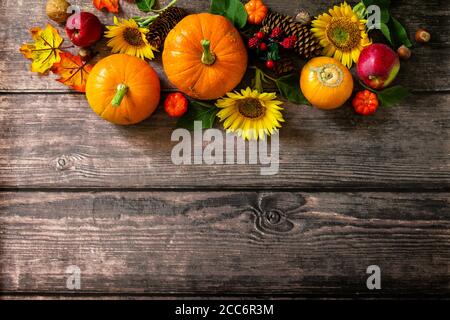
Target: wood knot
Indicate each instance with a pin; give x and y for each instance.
(274, 221)
(273, 216)
(63, 163)
(275, 210)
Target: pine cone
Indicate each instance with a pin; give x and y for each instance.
(162, 25)
(306, 45)
(265, 30)
(284, 66)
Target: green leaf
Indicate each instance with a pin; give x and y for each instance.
(273, 51)
(385, 15)
(234, 10)
(289, 87)
(386, 32)
(198, 111)
(145, 5)
(257, 82)
(391, 28)
(360, 10)
(400, 33)
(392, 96)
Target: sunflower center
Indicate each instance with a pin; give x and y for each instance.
(344, 33)
(133, 36)
(251, 108)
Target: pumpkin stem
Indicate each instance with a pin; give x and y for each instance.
(121, 91)
(208, 57)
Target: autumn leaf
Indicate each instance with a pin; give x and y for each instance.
(110, 5)
(73, 71)
(45, 50)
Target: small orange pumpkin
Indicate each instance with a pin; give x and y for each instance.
(204, 56)
(123, 89)
(256, 11)
(326, 83)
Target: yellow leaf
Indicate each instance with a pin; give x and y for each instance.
(73, 71)
(45, 50)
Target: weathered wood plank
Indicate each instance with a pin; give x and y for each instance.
(56, 141)
(427, 70)
(225, 243)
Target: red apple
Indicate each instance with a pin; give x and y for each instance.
(84, 29)
(378, 65)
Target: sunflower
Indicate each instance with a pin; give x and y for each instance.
(250, 114)
(342, 34)
(127, 37)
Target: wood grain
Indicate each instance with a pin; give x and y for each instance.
(75, 190)
(56, 141)
(421, 73)
(225, 243)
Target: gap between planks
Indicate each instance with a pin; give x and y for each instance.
(195, 189)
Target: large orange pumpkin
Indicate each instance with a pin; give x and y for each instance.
(123, 89)
(326, 83)
(204, 56)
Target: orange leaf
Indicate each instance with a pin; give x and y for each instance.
(110, 5)
(73, 71)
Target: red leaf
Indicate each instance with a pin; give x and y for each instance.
(73, 71)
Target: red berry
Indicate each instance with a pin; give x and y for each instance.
(253, 43)
(260, 35)
(276, 33)
(176, 105)
(270, 64)
(263, 46)
(289, 42)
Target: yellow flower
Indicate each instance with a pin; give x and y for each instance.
(342, 34)
(127, 37)
(250, 114)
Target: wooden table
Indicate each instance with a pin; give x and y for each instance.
(351, 192)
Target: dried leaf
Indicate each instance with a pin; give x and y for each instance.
(110, 5)
(73, 71)
(45, 51)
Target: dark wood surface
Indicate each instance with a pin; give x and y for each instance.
(225, 243)
(401, 148)
(351, 192)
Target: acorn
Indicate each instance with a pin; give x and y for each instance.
(57, 10)
(303, 17)
(404, 52)
(85, 54)
(423, 36)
